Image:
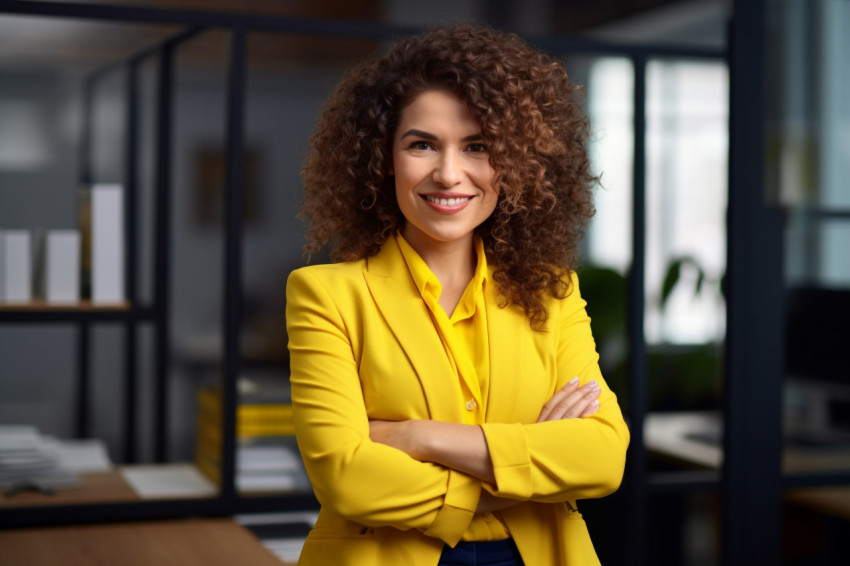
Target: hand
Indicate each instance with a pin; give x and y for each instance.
(488, 503)
(571, 402)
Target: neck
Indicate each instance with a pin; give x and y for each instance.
(453, 263)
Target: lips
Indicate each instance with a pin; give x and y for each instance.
(447, 203)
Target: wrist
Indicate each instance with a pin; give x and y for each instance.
(423, 440)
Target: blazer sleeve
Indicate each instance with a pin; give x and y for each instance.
(567, 459)
(363, 481)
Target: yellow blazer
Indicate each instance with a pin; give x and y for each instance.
(363, 346)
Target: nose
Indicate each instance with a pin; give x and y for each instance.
(448, 172)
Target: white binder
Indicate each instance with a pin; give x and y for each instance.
(62, 266)
(107, 241)
(15, 266)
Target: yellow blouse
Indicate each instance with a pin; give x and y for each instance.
(465, 339)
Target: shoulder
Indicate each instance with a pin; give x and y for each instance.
(572, 292)
(329, 276)
(329, 270)
(568, 306)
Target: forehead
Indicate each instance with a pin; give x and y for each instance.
(437, 106)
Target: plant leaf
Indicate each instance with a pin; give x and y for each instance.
(670, 280)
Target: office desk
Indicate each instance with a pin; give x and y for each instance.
(668, 435)
(97, 487)
(125, 483)
(201, 542)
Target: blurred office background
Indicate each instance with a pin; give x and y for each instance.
(686, 48)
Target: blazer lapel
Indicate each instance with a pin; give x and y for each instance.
(507, 330)
(399, 302)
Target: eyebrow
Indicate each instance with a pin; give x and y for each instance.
(430, 136)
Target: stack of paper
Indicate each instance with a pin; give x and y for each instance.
(268, 468)
(29, 459)
(162, 481)
(267, 457)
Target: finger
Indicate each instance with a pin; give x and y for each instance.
(591, 409)
(557, 398)
(563, 400)
(575, 403)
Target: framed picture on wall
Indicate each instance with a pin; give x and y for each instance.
(210, 170)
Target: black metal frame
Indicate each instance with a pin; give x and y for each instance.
(635, 322)
(751, 478)
(752, 464)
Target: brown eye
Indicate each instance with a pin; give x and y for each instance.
(420, 145)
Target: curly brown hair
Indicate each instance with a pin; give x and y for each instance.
(532, 123)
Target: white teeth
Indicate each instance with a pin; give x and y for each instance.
(446, 201)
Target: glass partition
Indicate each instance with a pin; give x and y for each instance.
(807, 171)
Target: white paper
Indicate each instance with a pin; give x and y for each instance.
(275, 482)
(287, 549)
(163, 481)
(62, 269)
(28, 457)
(266, 458)
(107, 230)
(83, 456)
(17, 435)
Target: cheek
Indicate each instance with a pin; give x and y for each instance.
(492, 191)
(492, 200)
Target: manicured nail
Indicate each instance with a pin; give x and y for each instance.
(573, 381)
(592, 384)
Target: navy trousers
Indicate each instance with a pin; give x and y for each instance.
(490, 553)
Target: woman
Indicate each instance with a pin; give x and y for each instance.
(448, 400)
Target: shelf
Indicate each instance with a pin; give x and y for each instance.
(82, 306)
(41, 311)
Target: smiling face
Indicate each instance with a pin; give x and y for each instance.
(444, 183)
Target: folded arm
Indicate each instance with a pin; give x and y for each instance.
(575, 450)
(361, 480)
(464, 447)
(566, 459)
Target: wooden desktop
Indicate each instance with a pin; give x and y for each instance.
(207, 542)
(190, 542)
(671, 436)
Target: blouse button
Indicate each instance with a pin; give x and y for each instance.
(470, 405)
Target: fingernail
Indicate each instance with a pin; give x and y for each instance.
(592, 384)
(573, 381)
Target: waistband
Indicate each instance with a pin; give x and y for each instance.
(482, 553)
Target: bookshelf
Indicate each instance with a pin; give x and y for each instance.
(106, 496)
